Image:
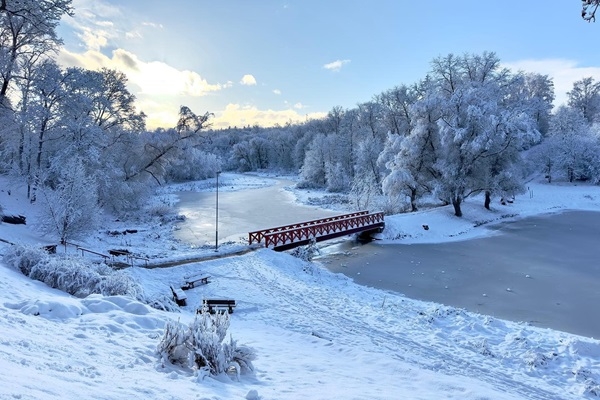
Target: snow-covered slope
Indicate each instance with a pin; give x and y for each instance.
(317, 336)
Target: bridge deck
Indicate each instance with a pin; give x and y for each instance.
(258, 236)
(290, 236)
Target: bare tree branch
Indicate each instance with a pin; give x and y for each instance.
(588, 10)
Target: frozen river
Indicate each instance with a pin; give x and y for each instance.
(542, 270)
(240, 212)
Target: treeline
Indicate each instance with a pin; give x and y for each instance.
(468, 127)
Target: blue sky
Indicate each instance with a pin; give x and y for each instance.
(269, 61)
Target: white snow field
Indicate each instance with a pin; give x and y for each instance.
(317, 335)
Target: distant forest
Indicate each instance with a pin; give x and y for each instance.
(468, 127)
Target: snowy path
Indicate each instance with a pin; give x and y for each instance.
(338, 315)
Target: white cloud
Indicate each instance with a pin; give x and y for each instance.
(94, 22)
(277, 91)
(248, 80)
(298, 106)
(133, 35)
(152, 78)
(563, 73)
(159, 115)
(238, 115)
(94, 39)
(153, 25)
(336, 65)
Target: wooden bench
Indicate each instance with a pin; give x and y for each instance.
(217, 305)
(192, 281)
(179, 296)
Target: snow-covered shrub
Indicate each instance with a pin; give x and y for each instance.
(116, 283)
(207, 333)
(160, 302)
(200, 346)
(67, 275)
(161, 210)
(73, 275)
(174, 346)
(306, 253)
(23, 258)
(242, 357)
(193, 164)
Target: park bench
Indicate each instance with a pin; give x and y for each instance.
(192, 281)
(179, 296)
(217, 305)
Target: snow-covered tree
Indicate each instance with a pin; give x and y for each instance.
(396, 104)
(411, 158)
(194, 164)
(27, 31)
(535, 92)
(468, 130)
(574, 145)
(70, 202)
(314, 171)
(585, 97)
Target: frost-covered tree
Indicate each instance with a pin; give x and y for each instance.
(70, 202)
(335, 118)
(281, 148)
(396, 103)
(162, 146)
(194, 164)
(314, 171)
(585, 97)
(535, 92)
(27, 31)
(545, 156)
(469, 129)
(574, 145)
(411, 158)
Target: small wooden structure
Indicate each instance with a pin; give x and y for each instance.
(217, 305)
(192, 281)
(179, 296)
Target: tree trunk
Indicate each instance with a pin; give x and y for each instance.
(413, 200)
(570, 174)
(456, 204)
(488, 199)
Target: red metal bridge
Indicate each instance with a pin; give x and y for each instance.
(294, 235)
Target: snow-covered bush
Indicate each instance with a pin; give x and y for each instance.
(174, 346)
(24, 258)
(200, 346)
(161, 302)
(193, 164)
(207, 333)
(306, 253)
(73, 275)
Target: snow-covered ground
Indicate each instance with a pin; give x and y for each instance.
(317, 335)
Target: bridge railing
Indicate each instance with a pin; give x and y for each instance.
(258, 236)
(301, 233)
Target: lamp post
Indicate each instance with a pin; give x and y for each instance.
(217, 216)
